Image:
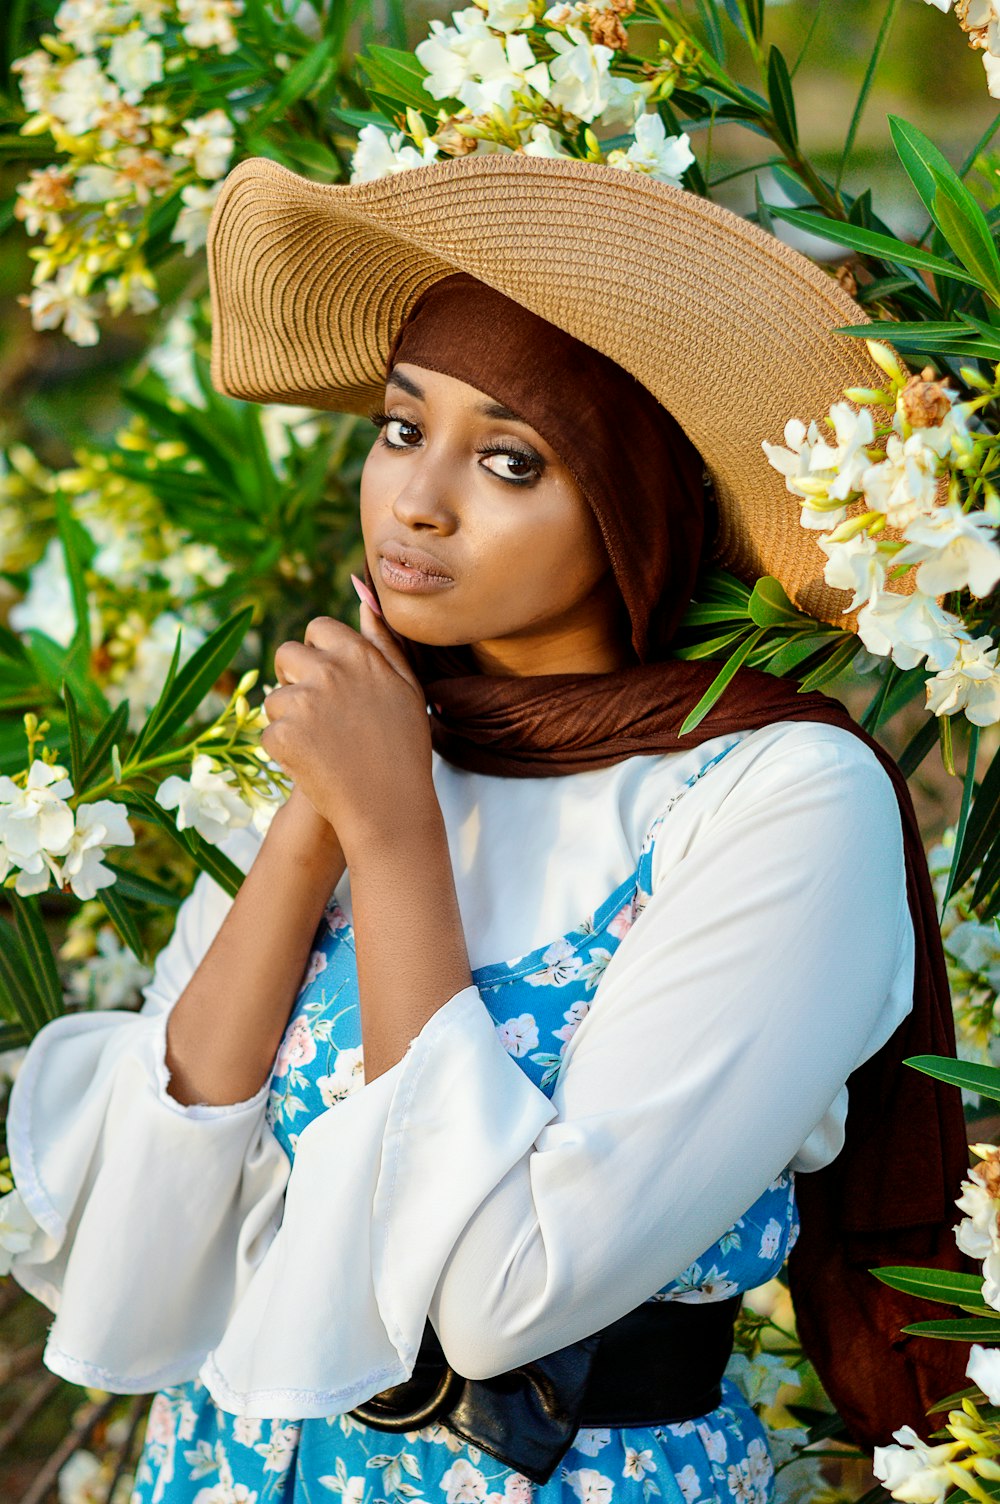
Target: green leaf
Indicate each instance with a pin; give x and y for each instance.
(299, 80)
(968, 787)
(841, 658)
(957, 337)
(121, 917)
(964, 226)
(872, 243)
(19, 996)
(208, 858)
(782, 98)
(709, 13)
(718, 684)
(797, 648)
(763, 212)
(897, 689)
(969, 1330)
(397, 74)
(194, 681)
(881, 42)
(984, 1079)
(75, 737)
(917, 748)
(142, 889)
(982, 825)
(38, 953)
(920, 158)
(945, 1285)
(110, 734)
(162, 703)
(769, 606)
(13, 1036)
(78, 549)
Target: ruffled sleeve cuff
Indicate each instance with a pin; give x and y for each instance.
(384, 1183)
(152, 1216)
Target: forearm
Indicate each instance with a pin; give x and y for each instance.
(411, 950)
(224, 1031)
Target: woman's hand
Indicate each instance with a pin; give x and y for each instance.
(349, 725)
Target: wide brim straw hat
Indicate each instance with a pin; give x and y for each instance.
(728, 327)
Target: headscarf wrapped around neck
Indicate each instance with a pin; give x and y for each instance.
(888, 1197)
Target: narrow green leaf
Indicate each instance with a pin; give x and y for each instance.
(162, 703)
(38, 952)
(19, 997)
(982, 824)
(121, 917)
(78, 549)
(197, 677)
(707, 615)
(13, 1036)
(964, 226)
(398, 74)
(782, 98)
(952, 338)
(968, 788)
(945, 1285)
(142, 889)
(709, 13)
(984, 1079)
(881, 42)
(75, 737)
(798, 648)
(968, 1330)
(298, 81)
(712, 647)
(917, 748)
(899, 687)
(763, 212)
(718, 684)
(840, 658)
(100, 748)
(919, 156)
(872, 243)
(769, 606)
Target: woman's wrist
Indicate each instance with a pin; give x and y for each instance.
(309, 835)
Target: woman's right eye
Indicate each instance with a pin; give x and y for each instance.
(399, 434)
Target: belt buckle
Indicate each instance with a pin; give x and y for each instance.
(370, 1413)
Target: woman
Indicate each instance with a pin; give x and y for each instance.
(608, 985)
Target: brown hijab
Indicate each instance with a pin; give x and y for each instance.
(888, 1197)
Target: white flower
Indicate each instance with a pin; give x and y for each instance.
(135, 63)
(468, 62)
(348, 1075)
(543, 142)
(113, 977)
(803, 478)
(663, 157)
(854, 564)
(17, 1227)
(904, 484)
(590, 1486)
(638, 1464)
(984, 1370)
(246, 1431)
(760, 1378)
(942, 5)
(278, 1450)
(976, 946)
(84, 92)
(955, 550)
(991, 62)
(61, 302)
(580, 74)
(971, 683)
(208, 802)
(209, 23)
(98, 825)
(377, 155)
(192, 222)
(48, 605)
(85, 23)
(908, 627)
(39, 80)
(518, 1035)
(36, 819)
(144, 680)
(509, 15)
(172, 358)
(914, 1471)
(689, 1483)
(463, 1483)
(208, 143)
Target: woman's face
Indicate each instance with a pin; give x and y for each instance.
(475, 532)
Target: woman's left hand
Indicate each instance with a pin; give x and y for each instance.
(348, 723)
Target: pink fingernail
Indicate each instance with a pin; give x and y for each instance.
(366, 595)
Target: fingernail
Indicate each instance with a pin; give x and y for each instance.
(366, 595)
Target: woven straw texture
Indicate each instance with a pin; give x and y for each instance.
(729, 328)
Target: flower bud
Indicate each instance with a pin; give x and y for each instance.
(886, 361)
(247, 682)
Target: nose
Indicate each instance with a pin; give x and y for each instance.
(426, 500)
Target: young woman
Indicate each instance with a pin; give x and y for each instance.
(435, 1164)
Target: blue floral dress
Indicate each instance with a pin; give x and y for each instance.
(195, 1453)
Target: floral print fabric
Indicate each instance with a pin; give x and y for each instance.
(195, 1453)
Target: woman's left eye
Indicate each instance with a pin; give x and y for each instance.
(520, 468)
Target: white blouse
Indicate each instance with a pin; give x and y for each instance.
(773, 957)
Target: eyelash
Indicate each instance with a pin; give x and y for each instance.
(380, 419)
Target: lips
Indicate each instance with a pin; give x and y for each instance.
(415, 558)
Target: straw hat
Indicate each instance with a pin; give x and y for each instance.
(729, 328)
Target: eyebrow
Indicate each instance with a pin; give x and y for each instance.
(488, 409)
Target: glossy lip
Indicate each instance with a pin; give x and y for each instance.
(411, 569)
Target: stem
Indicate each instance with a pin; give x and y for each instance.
(866, 86)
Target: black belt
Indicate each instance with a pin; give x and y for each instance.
(659, 1364)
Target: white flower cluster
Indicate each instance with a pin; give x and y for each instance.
(213, 801)
(17, 1228)
(980, 19)
(950, 547)
(41, 838)
(93, 86)
(978, 1233)
(919, 1472)
(529, 95)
